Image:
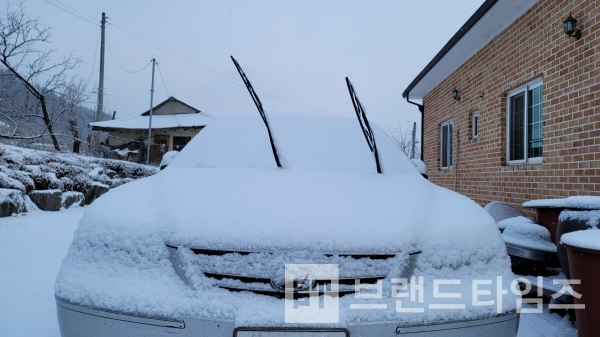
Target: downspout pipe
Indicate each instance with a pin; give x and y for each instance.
(422, 110)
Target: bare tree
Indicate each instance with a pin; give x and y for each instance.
(404, 141)
(45, 80)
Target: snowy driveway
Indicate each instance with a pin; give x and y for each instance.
(32, 247)
(31, 250)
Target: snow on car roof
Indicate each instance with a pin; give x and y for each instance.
(303, 142)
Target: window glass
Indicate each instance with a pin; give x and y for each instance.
(535, 123)
(475, 124)
(517, 127)
(180, 142)
(450, 144)
(525, 123)
(446, 145)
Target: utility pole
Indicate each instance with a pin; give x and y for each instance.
(150, 120)
(101, 82)
(412, 151)
(97, 137)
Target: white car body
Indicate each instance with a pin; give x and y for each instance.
(200, 248)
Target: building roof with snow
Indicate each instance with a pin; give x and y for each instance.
(170, 114)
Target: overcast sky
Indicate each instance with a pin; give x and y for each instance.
(296, 51)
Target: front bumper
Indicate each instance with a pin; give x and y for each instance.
(75, 320)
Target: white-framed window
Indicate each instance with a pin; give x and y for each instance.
(475, 124)
(524, 124)
(446, 145)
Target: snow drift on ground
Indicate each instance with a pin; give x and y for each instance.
(225, 191)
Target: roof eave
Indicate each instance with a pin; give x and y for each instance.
(490, 20)
(480, 13)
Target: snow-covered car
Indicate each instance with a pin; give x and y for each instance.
(222, 242)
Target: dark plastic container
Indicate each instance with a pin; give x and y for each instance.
(548, 217)
(568, 224)
(585, 266)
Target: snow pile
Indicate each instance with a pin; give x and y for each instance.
(576, 202)
(420, 165)
(27, 169)
(168, 158)
(517, 219)
(589, 238)
(525, 233)
(224, 191)
(591, 218)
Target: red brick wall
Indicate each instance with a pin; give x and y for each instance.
(534, 46)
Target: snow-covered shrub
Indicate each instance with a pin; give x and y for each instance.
(27, 169)
(22, 177)
(10, 183)
(67, 183)
(63, 169)
(128, 169)
(46, 180)
(119, 181)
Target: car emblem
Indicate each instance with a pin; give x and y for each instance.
(295, 286)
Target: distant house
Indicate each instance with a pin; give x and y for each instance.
(174, 124)
(511, 104)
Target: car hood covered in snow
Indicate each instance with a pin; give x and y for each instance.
(224, 191)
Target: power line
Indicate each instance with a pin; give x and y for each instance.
(68, 11)
(149, 41)
(75, 9)
(213, 72)
(95, 55)
(120, 66)
(191, 62)
(163, 80)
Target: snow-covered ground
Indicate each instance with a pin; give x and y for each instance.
(31, 249)
(33, 245)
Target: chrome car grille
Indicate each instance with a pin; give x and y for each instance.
(252, 271)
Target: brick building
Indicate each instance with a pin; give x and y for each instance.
(524, 122)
